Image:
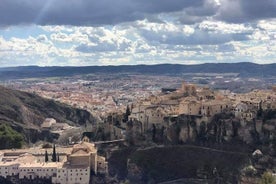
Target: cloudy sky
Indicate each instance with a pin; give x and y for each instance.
(119, 32)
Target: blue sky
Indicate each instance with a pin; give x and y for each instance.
(92, 32)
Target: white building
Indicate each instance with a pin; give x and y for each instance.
(75, 165)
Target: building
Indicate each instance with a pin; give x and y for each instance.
(188, 89)
(47, 123)
(74, 165)
(203, 108)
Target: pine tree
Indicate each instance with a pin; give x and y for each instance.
(54, 155)
(46, 156)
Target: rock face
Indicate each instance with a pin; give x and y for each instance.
(159, 164)
(25, 112)
(135, 173)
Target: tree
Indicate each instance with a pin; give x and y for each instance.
(58, 157)
(127, 114)
(54, 155)
(9, 138)
(260, 110)
(248, 173)
(267, 178)
(46, 156)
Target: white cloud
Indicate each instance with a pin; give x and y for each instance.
(267, 25)
(226, 28)
(143, 42)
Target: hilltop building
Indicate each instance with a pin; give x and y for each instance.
(188, 100)
(200, 102)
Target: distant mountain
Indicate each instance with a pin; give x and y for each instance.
(25, 112)
(244, 69)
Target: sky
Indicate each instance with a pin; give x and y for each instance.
(129, 32)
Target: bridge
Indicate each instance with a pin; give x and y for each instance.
(109, 142)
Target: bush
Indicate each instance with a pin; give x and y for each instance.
(267, 178)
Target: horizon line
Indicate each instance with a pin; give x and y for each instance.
(41, 66)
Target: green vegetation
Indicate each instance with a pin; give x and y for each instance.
(267, 178)
(9, 138)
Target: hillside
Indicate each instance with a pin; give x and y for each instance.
(244, 69)
(24, 112)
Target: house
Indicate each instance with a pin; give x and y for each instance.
(47, 123)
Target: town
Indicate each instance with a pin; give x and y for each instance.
(152, 111)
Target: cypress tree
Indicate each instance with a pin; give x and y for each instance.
(54, 155)
(46, 156)
(128, 112)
